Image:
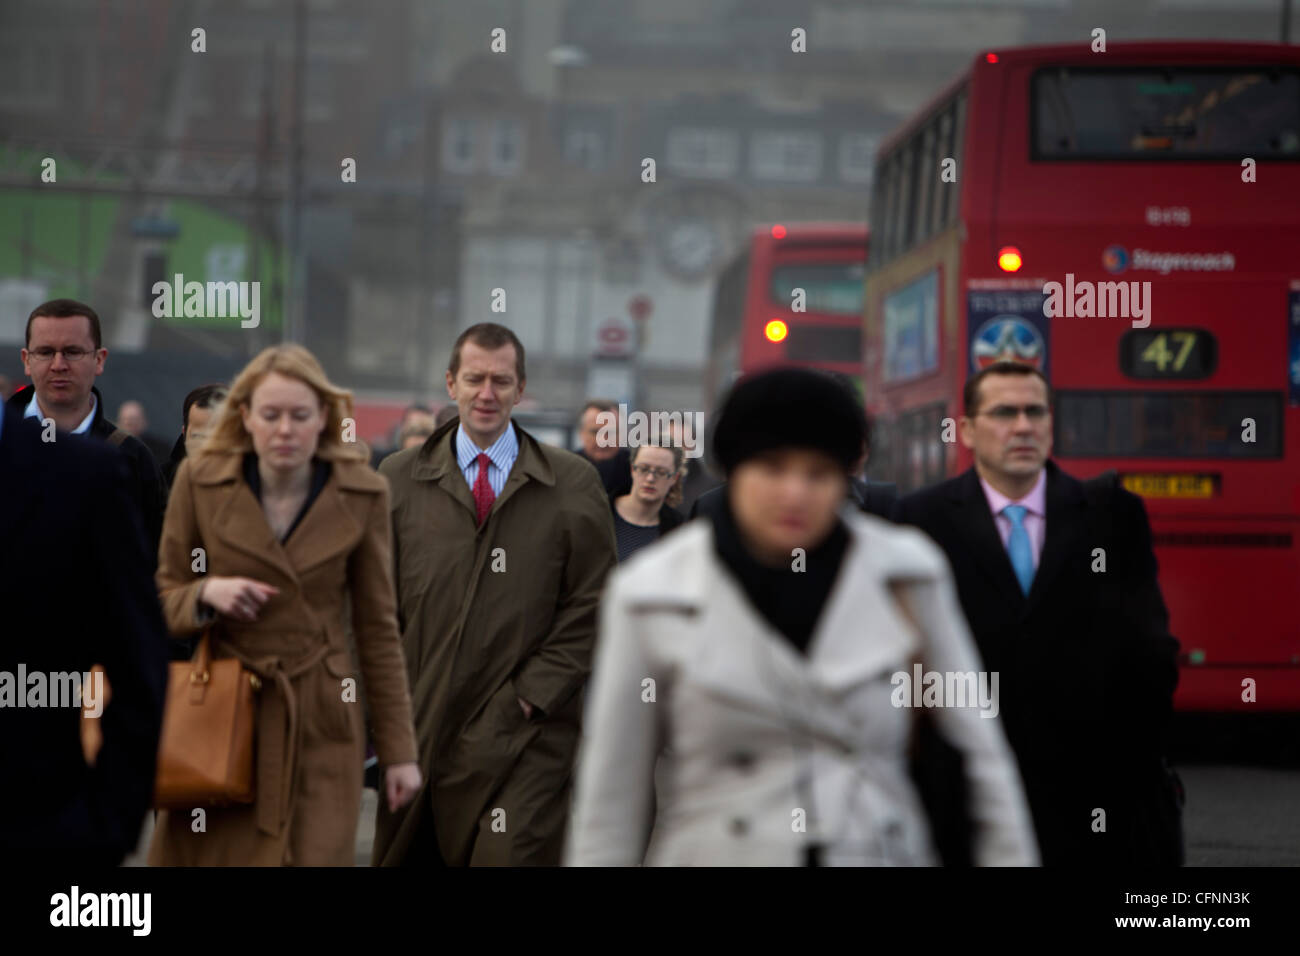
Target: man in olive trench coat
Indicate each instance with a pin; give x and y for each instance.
(498, 621)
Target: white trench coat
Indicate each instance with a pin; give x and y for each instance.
(754, 750)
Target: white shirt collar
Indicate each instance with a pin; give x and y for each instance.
(34, 411)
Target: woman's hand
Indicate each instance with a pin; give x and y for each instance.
(238, 598)
(401, 783)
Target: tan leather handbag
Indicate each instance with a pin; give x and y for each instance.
(205, 757)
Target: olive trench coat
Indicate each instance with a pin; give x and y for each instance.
(490, 614)
(310, 733)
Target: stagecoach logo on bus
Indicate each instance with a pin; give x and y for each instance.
(1007, 325)
(1116, 259)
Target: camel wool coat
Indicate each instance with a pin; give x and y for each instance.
(309, 739)
(490, 614)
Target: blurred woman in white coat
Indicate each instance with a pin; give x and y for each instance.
(750, 702)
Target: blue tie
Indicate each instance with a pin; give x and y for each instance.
(1018, 547)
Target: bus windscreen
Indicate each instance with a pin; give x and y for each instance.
(1168, 424)
(832, 289)
(1165, 113)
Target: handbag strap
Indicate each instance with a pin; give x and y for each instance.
(200, 671)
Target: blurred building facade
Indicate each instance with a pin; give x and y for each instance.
(477, 168)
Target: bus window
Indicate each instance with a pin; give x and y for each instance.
(823, 343)
(833, 289)
(906, 163)
(924, 184)
(1165, 113)
(943, 191)
(889, 245)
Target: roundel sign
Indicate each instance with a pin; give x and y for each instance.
(1007, 338)
(615, 338)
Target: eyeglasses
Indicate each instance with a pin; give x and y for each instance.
(46, 354)
(1006, 414)
(646, 471)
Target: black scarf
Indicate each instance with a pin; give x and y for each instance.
(791, 601)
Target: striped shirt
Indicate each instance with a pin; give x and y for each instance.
(631, 538)
(502, 457)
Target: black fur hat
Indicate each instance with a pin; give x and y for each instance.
(789, 408)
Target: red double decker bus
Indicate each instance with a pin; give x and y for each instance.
(1130, 224)
(755, 324)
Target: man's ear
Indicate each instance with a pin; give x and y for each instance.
(967, 429)
(451, 386)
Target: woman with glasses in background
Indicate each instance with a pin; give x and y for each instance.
(646, 513)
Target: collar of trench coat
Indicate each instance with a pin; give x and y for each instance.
(326, 529)
(436, 461)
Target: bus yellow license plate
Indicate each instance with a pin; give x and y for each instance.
(1170, 486)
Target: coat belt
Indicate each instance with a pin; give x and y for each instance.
(279, 733)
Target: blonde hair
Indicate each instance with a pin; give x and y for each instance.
(674, 496)
(228, 435)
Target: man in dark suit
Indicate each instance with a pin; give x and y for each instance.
(76, 589)
(1058, 581)
(63, 357)
(612, 463)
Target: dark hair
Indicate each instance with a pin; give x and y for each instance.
(599, 404)
(205, 396)
(488, 335)
(788, 407)
(66, 309)
(971, 393)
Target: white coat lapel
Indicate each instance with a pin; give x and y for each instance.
(861, 633)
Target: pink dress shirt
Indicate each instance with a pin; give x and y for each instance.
(1035, 515)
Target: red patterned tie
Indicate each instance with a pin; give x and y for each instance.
(483, 493)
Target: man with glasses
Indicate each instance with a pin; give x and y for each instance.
(64, 354)
(1058, 581)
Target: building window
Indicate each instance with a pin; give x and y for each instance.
(458, 145)
(400, 136)
(703, 152)
(585, 148)
(857, 153)
(794, 156)
(506, 154)
(26, 84)
(318, 103)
